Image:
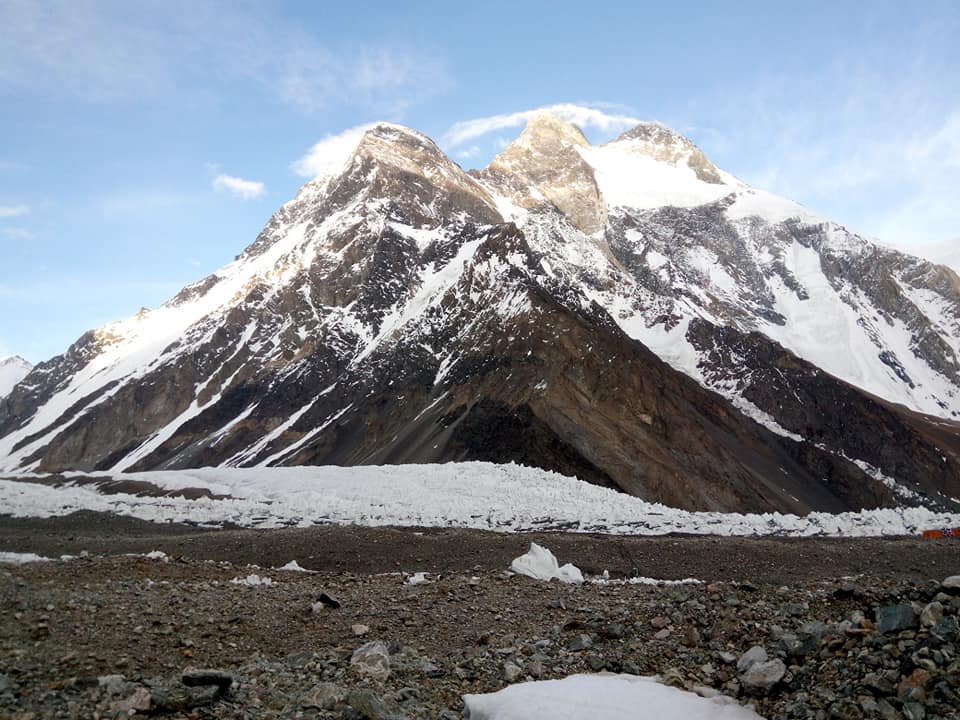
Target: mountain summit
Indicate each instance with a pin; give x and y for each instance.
(12, 370)
(628, 313)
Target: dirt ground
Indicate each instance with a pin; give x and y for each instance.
(360, 550)
(96, 635)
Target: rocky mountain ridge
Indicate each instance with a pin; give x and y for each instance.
(628, 313)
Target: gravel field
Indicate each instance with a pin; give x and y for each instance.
(846, 628)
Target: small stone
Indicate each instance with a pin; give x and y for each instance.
(877, 684)
(947, 630)
(674, 678)
(113, 684)
(512, 672)
(894, 618)
(846, 590)
(612, 631)
(931, 614)
(728, 658)
(557, 604)
(691, 636)
(752, 656)
(762, 676)
(327, 600)
(914, 711)
(360, 630)
(373, 659)
(139, 701)
(887, 711)
(370, 706)
(596, 663)
(919, 678)
(662, 634)
(325, 696)
(659, 622)
(951, 585)
(580, 642)
(221, 679)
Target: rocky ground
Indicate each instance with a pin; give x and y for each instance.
(800, 629)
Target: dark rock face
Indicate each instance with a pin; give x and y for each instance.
(826, 411)
(392, 314)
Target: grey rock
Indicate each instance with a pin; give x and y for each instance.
(220, 679)
(794, 646)
(512, 672)
(371, 706)
(752, 656)
(111, 684)
(580, 642)
(373, 659)
(951, 585)
(931, 614)
(327, 600)
(877, 684)
(324, 696)
(139, 701)
(612, 631)
(947, 630)
(814, 631)
(894, 618)
(728, 658)
(887, 711)
(914, 711)
(762, 676)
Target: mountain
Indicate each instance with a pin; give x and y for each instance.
(628, 313)
(944, 253)
(12, 370)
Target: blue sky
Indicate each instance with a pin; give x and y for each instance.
(144, 144)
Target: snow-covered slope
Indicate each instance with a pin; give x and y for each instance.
(12, 370)
(399, 309)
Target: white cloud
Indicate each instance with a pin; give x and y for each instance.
(17, 233)
(243, 189)
(110, 50)
(469, 153)
(329, 155)
(10, 211)
(143, 201)
(583, 116)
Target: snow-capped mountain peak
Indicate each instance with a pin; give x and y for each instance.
(13, 369)
(666, 145)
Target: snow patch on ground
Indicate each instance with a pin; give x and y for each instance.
(611, 697)
(252, 581)
(541, 564)
(293, 566)
(15, 558)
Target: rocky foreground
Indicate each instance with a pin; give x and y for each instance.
(181, 637)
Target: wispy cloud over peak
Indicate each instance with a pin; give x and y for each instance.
(593, 116)
(240, 187)
(328, 156)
